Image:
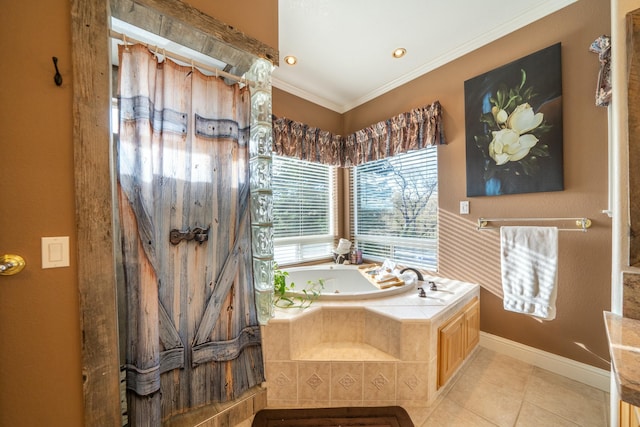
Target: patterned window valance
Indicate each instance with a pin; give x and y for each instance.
(408, 131)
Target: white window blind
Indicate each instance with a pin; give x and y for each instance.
(395, 208)
(303, 210)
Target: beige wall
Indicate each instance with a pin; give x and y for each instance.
(255, 18)
(584, 284)
(40, 368)
(39, 336)
(464, 253)
(300, 110)
(40, 379)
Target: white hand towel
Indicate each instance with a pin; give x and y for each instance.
(529, 270)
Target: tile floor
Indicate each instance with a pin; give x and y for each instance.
(496, 390)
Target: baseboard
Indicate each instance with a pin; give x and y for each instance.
(587, 374)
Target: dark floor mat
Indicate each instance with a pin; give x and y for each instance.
(388, 416)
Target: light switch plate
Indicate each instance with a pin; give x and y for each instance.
(464, 207)
(55, 252)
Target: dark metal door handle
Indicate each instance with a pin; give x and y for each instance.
(198, 234)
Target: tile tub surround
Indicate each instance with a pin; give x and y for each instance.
(353, 353)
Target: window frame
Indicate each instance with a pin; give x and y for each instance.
(428, 245)
(306, 242)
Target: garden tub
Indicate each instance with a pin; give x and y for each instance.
(346, 350)
(341, 282)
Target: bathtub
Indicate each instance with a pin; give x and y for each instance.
(360, 346)
(341, 282)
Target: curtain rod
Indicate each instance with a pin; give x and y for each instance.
(126, 40)
(581, 223)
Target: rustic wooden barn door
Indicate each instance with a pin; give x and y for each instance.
(192, 335)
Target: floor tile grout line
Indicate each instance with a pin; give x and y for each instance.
(459, 376)
(472, 367)
(524, 392)
(606, 402)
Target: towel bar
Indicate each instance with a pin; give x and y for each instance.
(582, 224)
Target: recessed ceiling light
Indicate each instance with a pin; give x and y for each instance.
(399, 52)
(291, 60)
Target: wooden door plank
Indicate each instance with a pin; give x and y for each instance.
(222, 351)
(222, 287)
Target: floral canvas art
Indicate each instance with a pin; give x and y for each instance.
(513, 122)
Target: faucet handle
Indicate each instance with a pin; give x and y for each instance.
(422, 293)
(432, 286)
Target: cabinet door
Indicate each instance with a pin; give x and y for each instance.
(629, 415)
(472, 326)
(451, 339)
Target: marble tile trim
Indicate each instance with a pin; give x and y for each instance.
(624, 345)
(631, 295)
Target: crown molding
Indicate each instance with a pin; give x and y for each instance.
(532, 15)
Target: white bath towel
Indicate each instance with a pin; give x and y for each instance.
(530, 270)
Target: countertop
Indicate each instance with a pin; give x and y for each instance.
(624, 346)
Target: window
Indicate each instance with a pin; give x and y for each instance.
(303, 210)
(395, 207)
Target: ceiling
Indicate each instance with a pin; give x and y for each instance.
(344, 47)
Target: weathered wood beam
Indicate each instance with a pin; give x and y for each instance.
(183, 24)
(95, 261)
(633, 94)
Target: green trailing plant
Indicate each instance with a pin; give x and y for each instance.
(287, 296)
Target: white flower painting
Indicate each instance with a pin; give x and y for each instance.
(513, 121)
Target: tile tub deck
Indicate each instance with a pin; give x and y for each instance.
(371, 352)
